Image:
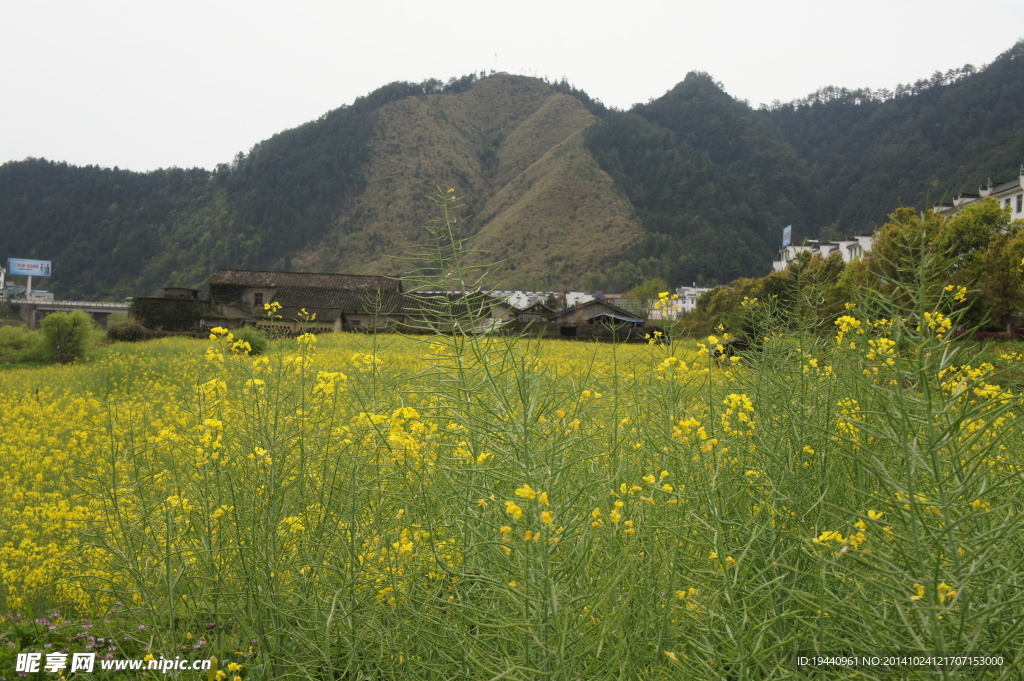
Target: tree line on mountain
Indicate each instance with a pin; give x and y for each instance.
(831, 93)
(712, 181)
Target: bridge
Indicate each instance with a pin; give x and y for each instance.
(34, 311)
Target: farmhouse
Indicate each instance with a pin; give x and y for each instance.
(294, 301)
(1008, 194)
(338, 301)
(538, 312)
(596, 312)
(687, 300)
(850, 249)
(254, 288)
(597, 319)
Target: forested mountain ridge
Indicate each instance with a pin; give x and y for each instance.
(714, 180)
(693, 185)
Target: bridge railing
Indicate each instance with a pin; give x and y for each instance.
(79, 303)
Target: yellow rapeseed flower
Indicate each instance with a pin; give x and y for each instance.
(513, 510)
(526, 492)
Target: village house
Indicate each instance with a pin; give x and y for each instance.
(294, 301)
(444, 310)
(1008, 194)
(685, 302)
(594, 314)
(688, 295)
(849, 249)
(338, 301)
(538, 312)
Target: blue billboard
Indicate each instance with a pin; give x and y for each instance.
(28, 268)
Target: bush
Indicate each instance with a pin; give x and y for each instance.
(18, 344)
(257, 340)
(130, 331)
(68, 336)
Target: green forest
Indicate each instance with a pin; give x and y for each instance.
(708, 180)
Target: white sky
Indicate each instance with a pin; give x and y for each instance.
(143, 84)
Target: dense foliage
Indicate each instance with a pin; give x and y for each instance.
(68, 336)
(979, 250)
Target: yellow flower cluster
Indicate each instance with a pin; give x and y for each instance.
(736, 417)
(848, 324)
(937, 323)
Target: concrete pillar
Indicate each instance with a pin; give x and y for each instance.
(27, 312)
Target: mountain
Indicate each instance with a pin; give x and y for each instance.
(514, 148)
(691, 186)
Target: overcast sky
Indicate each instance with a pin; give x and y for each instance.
(143, 84)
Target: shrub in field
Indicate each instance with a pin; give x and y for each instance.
(18, 344)
(68, 336)
(129, 331)
(257, 340)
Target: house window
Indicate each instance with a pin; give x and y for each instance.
(257, 299)
(357, 322)
(1020, 198)
(1007, 203)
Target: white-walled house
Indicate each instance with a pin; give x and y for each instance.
(850, 249)
(1009, 194)
(524, 299)
(688, 295)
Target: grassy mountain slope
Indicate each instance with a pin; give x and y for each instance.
(513, 148)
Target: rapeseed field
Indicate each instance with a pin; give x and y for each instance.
(351, 506)
(832, 501)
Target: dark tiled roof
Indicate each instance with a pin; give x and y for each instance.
(1005, 186)
(329, 304)
(265, 279)
(463, 307)
(612, 310)
(536, 308)
(632, 306)
(230, 312)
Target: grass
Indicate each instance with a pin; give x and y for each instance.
(22, 365)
